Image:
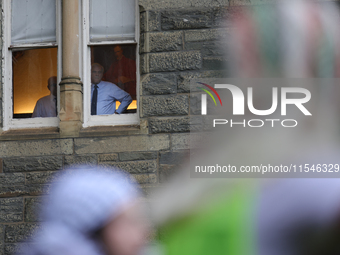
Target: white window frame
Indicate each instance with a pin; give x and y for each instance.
(7, 105)
(113, 119)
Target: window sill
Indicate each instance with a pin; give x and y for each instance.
(30, 134)
(112, 131)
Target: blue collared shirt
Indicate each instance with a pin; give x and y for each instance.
(108, 94)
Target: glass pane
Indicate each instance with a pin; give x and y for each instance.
(119, 69)
(32, 70)
(33, 21)
(110, 20)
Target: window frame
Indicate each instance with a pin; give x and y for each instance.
(7, 103)
(113, 119)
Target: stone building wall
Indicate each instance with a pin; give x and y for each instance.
(178, 42)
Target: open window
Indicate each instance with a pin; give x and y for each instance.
(111, 40)
(31, 63)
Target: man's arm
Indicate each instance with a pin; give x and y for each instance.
(123, 97)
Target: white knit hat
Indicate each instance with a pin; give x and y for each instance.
(80, 202)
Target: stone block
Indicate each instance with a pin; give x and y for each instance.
(129, 156)
(144, 63)
(135, 167)
(165, 172)
(15, 248)
(187, 141)
(173, 157)
(163, 41)
(174, 61)
(149, 21)
(214, 63)
(26, 164)
(165, 105)
(80, 160)
(221, 16)
(145, 178)
(19, 232)
(23, 190)
(36, 147)
(202, 35)
(42, 177)
(185, 78)
(108, 157)
(12, 179)
(122, 143)
(11, 209)
(32, 207)
(169, 125)
(180, 4)
(186, 19)
(1, 163)
(159, 83)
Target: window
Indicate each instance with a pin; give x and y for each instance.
(110, 38)
(31, 62)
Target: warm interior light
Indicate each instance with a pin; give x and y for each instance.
(132, 106)
(31, 70)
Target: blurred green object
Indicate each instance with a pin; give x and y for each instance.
(225, 226)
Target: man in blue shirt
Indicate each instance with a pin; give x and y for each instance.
(105, 94)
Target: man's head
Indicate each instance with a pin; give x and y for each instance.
(97, 72)
(118, 52)
(52, 85)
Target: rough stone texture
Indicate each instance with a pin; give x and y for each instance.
(129, 156)
(159, 83)
(19, 232)
(203, 35)
(32, 205)
(213, 48)
(122, 143)
(180, 4)
(26, 164)
(1, 163)
(184, 78)
(41, 177)
(220, 16)
(15, 248)
(173, 61)
(108, 157)
(164, 41)
(2, 234)
(165, 105)
(149, 21)
(186, 141)
(12, 179)
(186, 19)
(23, 190)
(144, 63)
(11, 209)
(169, 125)
(145, 178)
(173, 157)
(195, 104)
(165, 172)
(135, 167)
(80, 160)
(214, 63)
(36, 147)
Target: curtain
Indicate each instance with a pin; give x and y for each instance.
(112, 19)
(33, 21)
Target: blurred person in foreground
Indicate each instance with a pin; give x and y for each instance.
(294, 39)
(90, 211)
